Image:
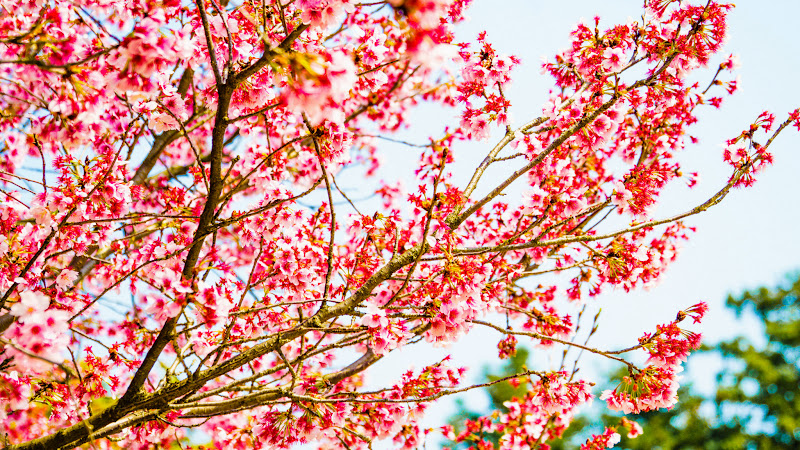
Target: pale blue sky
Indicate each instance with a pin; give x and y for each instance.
(751, 239)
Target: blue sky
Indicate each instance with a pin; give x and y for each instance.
(751, 239)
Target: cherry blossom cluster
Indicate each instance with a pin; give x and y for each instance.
(656, 386)
(38, 330)
(610, 435)
(543, 413)
(485, 74)
(197, 231)
(608, 439)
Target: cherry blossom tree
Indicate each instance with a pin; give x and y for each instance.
(178, 263)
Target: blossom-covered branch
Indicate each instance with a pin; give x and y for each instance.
(186, 253)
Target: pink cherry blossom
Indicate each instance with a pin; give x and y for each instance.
(197, 217)
(66, 279)
(613, 59)
(374, 317)
(30, 303)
